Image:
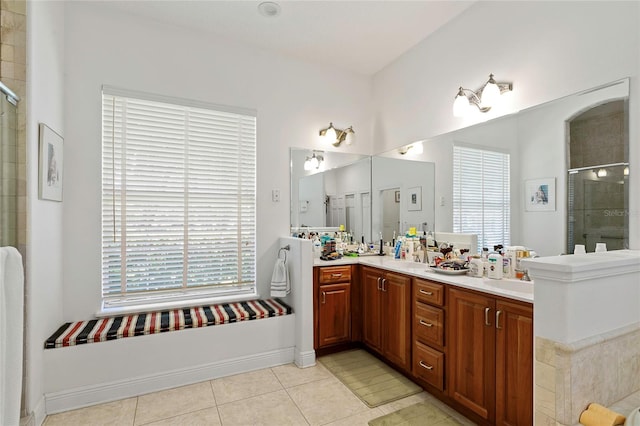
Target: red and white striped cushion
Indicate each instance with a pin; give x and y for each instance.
(112, 328)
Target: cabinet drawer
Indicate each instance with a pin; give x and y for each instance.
(428, 292)
(428, 324)
(335, 274)
(428, 365)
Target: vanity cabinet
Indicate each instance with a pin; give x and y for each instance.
(428, 358)
(490, 358)
(332, 301)
(386, 309)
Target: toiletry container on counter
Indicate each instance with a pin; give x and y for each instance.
(495, 266)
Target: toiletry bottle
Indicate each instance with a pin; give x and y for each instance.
(495, 266)
(485, 260)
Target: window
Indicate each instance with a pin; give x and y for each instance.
(178, 200)
(481, 195)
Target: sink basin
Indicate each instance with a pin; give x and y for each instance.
(511, 285)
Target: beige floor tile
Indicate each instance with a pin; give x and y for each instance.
(208, 416)
(360, 419)
(174, 402)
(246, 385)
(291, 375)
(325, 401)
(118, 412)
(275, 408)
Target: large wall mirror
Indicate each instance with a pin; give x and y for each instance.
(577, 146)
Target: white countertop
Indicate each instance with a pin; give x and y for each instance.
(509, 288)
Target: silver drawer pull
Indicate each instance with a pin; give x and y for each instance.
(428, 367)
(428, 293)
(426, 324)
(336, 275)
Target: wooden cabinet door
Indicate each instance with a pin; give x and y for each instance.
(371, 280)
(334, 314)
(514, 363)
(472, 351)
(396, 328)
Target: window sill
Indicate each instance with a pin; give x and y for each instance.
(168, 305)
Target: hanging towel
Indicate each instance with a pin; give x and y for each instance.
(11, 337)
(280, 285)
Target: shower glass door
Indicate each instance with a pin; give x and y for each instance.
(599, 207)
(8, 173)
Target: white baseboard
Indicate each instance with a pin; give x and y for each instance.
(95, 394)
(305, 359)
(37, 416)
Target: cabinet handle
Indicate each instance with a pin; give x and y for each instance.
(336, 275)
(486, 316)
(384, 281)
(498, 320)
(379, 286)
(428, 293)
(324, 297)
(426, 324)
(428, 367)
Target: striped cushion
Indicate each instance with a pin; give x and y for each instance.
(111, 328)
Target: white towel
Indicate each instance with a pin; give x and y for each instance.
(11, 334)
(280, 285)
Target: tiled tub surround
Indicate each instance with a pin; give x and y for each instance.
(603, 369)
(587, 328)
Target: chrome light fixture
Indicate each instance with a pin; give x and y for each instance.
(337, 136)
(486, 97)
(313, 162)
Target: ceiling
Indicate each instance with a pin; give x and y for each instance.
(357, 36)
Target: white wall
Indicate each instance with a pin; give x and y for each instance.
(44, 304)
(293, 99)
(547, 49)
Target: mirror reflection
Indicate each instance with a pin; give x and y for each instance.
(331, 191)
(403, 196)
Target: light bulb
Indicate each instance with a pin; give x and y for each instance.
(601, 173)
(330, 135)
(307, 164)
(490, 93)
(626, 171)
(460, 105)
(313, 161)
(350, 137)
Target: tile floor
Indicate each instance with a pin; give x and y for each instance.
(284, 395)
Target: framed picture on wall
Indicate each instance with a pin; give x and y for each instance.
(50, 167)
(540, 195)
(414, 198)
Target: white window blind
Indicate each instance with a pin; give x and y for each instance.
(481, 195)
(178, 200)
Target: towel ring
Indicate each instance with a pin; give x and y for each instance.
(284, 249)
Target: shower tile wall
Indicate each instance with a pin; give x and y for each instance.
(13, 66)
(600, 205)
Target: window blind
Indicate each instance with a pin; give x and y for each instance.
(178, 200)
(481, 195)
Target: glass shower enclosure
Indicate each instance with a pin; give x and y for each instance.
(8, 167)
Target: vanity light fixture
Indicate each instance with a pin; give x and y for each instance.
(483, 99)
(313, 162)
(336, 136)
(412, 149)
